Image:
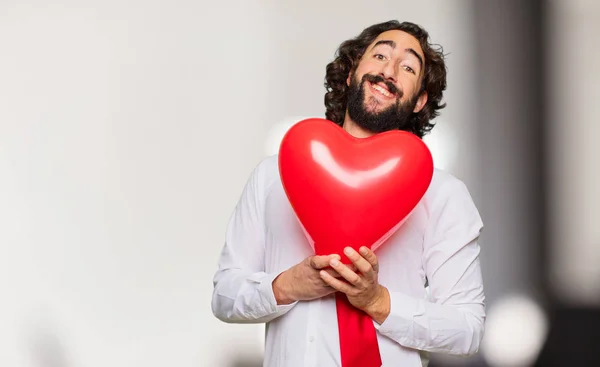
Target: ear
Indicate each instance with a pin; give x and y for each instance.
(349, 78)
(420, 102)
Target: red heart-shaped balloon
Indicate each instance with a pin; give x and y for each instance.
(349, 191)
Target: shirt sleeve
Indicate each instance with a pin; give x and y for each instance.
(243, 291)
(452, 320)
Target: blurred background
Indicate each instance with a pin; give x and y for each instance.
(128, 129)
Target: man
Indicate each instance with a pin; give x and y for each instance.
(389, 77)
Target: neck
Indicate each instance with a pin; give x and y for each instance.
(353, 129)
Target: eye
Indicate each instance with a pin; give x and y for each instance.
(379, 57)
(409, 69)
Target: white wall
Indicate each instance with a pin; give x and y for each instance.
(573, 150)
(127, 130)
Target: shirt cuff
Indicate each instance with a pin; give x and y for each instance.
(399, 323)
(265, 288)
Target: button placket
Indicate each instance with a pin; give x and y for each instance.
(311, 348)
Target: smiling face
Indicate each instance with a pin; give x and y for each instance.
(384, 88)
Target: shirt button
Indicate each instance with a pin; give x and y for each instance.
(311, 339)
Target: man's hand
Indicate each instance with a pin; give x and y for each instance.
(362, 289)
(303, 282)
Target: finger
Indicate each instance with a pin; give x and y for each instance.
(370, 256)
(359, 261)
(336, 284)
(320, 262)
(345, 272)
(332, 272)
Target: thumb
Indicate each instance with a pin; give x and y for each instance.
(321, 262)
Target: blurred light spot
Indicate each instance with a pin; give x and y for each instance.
(277, 132)
(516, 329)
(442, 143)
(323, 157)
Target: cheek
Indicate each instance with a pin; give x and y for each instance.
(409, 89)
(356, 77)
(367, 70)
(365, 67)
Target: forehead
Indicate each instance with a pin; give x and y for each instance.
(402, 39)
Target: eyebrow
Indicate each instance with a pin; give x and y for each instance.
(392, 44)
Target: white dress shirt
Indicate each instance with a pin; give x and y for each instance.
(436, 244)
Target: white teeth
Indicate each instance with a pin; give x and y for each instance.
(381, 90)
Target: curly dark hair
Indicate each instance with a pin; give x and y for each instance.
(348, 56)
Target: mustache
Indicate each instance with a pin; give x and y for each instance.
(379, 79)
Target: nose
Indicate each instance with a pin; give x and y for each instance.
(388, 71)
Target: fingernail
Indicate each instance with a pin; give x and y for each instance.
(364, 250)
(348, 250)
(334, 262)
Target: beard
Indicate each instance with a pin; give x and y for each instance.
(395, 117)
